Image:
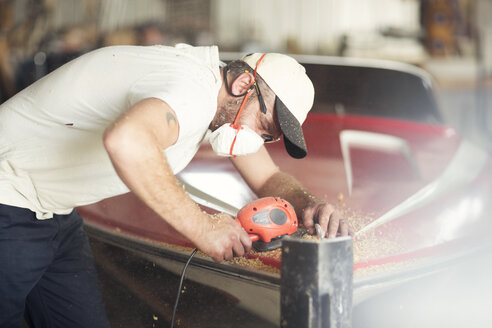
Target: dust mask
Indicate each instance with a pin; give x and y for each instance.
(235, 140)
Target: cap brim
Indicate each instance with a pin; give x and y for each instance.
(292, 131)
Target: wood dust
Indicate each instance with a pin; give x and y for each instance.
(369, 246)
(254, 263)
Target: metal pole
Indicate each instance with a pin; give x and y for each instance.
(316, 283)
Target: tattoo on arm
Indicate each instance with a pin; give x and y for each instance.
(170, 117)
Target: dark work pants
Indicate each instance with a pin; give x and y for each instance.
(47, 272)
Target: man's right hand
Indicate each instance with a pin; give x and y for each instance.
(222, 238)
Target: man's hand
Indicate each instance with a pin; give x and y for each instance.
(222, 238)
(328, 218)
(265, 179)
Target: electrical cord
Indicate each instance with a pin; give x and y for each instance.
(181, 285)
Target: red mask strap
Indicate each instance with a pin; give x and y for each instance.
(241, 108)
(258, 64)
(234, 124)
(235, 137)
(247, 94)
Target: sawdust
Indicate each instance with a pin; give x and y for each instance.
(252, 263)
(369, 246)
(372, 244)
(255, 263)
(274, 254)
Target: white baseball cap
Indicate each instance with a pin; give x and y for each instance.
(294, 95)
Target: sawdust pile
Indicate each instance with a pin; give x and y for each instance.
(255, 264)
(369, 246)
(372, 244)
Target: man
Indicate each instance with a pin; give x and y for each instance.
(129, 118)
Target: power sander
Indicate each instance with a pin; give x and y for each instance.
(267, 220)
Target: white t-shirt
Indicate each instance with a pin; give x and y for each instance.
(52, 157)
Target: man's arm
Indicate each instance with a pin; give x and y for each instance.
(265, 179)
(135, 144)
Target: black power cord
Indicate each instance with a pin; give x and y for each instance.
(181, 285)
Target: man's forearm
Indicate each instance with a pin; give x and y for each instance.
(309, 208)
(285, 186)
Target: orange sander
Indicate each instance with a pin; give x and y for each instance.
(267, 220)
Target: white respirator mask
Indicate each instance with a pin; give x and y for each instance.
(235, 140)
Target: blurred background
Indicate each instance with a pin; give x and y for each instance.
(451, 39)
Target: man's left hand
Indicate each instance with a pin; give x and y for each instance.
(328, 218)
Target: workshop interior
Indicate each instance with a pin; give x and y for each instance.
(399, 140)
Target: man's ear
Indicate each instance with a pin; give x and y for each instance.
(242, 83)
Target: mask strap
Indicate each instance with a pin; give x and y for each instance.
(258, 64)
(246, 95)
(233, 143)
(234, 124)
(242, 107)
